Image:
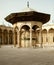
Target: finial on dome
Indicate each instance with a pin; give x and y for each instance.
(28, 4)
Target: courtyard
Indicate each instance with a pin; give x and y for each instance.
(26, 56)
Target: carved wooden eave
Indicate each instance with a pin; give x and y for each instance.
(28, 16)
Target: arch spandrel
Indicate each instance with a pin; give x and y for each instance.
(20, 26)
(37, 23)
(16, 29)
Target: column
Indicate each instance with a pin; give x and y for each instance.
(19, 39)
(14, 39)
(48, 37)
(40, 38)
(2, 38)
(8, 38)
(30, 37)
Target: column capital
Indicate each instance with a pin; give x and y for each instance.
(31, 29)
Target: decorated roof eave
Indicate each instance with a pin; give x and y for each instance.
(10, 18)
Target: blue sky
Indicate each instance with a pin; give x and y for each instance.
(11, 6)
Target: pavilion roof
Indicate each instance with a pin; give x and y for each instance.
(28, 14)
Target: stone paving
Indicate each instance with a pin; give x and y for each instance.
(26, 56)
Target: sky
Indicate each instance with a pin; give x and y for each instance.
(13, 6)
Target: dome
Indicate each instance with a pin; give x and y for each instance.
(27, 9)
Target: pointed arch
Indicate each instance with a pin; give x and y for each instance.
(51, 35)
(0, 36)
(35, 35)
(10, 37)
(34, 27)
(16, 28)
(44, 31)
(51, 30)
(5, 34)
(44, 36)
(26, 27)
(25, 35)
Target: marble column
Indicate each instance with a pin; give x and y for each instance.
(30, 37)
(47, 37)
(40, 38)
(8, 38)
(19, 39)
(14, 39)
(2, 37)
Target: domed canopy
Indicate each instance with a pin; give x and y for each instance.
(28, 14)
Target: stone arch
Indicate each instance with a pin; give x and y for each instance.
(16, 28)
(25, 36)
(10, 37)
(51, 35)
(44, 36)
(37, 24)
(44, 31)
(0, 36)
(51, 30)
(5, 36)
(35, 35)
(24, 26)
(34, 27)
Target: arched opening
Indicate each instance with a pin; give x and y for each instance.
(35, 27)
(5, 34)
(25, 36)
(35, 35)
(51, 30)
(10, 37)
(51, 35)
(0, 36)
(44, 36)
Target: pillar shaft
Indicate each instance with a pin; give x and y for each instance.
(14, 39)
(2, 38)
(40, 38)
(30, 37)
(19, 39)
(8, 38)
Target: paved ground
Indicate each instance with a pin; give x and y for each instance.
(26, 56)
